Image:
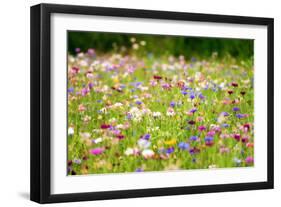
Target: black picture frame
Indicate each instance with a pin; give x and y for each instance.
(41, 99)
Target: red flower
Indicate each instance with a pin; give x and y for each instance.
(191, 122)
(230, 92)
(105, 126)
(234, 84)
(243, 93)
(156, 77)
(247, 126)
(237, 137)
(120, 136)
(245, 139)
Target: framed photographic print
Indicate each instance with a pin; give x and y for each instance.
(132, 103)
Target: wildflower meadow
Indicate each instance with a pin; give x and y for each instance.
(157, 103)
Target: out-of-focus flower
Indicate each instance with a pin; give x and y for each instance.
(201, 128)
(70, 131)
(170, 150)
(237, 137)
(170, 112)
(147, 153)
(193, 138)
(81, 108)
(77, 161)
(236, 109)
(249, 160)
(97, 151)
(143, 143)
(172, 104)
(97, 140)
(183, 145)
(156, 114)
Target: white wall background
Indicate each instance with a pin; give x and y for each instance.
(14, 101)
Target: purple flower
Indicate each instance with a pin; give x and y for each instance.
(166, 86)
(193, 138)
(224, 113)
(146, 136)
(201, 96)
(70, 90)
(139, 170)
(209, 139)
(172, 104)
(84, 91)
(194, 150)
(129, 116)
(236, 109)
(240, 116)
(192, 96)
(170, 150)
(138, 102)
(77, 49)
(225, 125)
(193, 110)
(183, 145)
(183, 93)
(91, 85)
(91, 52)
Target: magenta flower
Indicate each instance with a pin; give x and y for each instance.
(201, 128)
(249, 160)
(97, 151)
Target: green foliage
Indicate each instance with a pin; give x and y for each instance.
(160, 45)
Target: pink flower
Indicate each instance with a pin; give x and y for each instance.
(91, 52)
(224, 136)
(224, 150)
(75, 70)
(199, 118)
(97, 151)
(153, 83)
(250, 145)
(211, 133)
(81, 107)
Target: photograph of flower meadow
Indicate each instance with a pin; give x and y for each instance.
(141, 103)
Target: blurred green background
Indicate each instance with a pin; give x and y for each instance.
(160, 44)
